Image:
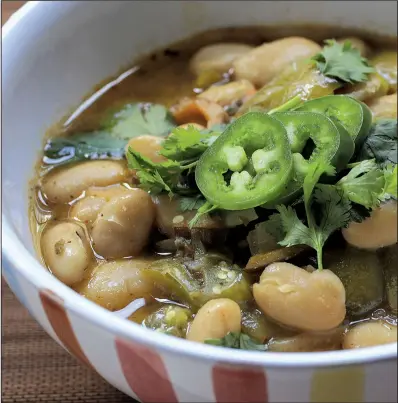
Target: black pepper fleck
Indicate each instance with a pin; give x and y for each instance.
(171, 53)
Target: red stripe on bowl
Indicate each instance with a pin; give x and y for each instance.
(239, 385)
(145, 373)
(57, 316)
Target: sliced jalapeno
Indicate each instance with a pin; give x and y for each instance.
(332, 142)
(353, 115)
(248, 165)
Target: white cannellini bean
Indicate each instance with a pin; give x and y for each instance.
(263, 63)
(66, 251)
(123, 225)
(215, 319)
(66, 184)
(217, 57)
(377, 231)
(115, 284)
(370, 333)
(296, 298)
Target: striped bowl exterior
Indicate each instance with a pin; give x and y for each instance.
(149, 375)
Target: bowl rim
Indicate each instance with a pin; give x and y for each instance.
(27, 264)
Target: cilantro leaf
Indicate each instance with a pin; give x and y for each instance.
(334, 214)
(296, 233)
(191, 203)
(83, 146)
(343, 62)
(381, 143)
(238, 341)
(363, 184)
(184, 144)
(156, 177)
(390, 186)
(138, 119)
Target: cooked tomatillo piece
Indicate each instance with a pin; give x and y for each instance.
(385, 64)
(248, 165)
(195, 282)
(300, 78)
(362, 276)
(353, 115)
(219, 279)
(332, 142)
(259, 327)
(169, 319)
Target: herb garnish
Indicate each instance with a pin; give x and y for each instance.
(138, 119)
(381, 143)
(239, 341)
(83, 146)
(342, 62)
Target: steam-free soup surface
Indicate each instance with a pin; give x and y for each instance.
(235, 189)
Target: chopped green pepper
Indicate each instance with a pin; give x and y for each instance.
(376, 86)
(361, 273)
(169, 319)
(300, 78)
(353, 115)
(196, 282)
(385, 64)
(248, 165)
(259, 327)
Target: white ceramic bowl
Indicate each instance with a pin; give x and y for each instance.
(53, 54)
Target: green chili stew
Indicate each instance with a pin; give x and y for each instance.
(217, 197)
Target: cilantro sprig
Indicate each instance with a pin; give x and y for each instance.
(342, 62)
(157, 177)
(239, 341)
(334, 213)
(185, 144)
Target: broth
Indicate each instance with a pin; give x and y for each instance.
(111, 277)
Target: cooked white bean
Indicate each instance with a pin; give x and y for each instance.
(114, 285)
(106, 193)
(148, 146)
(228, 93)
(299, 299)
(86, 210)
(263, 63)
(384, 107)
(357, 43)
(306, 342)
(377, 231)
(217, 57)
(123, 225)
(214, 320)
(66, 251)
(65, 185)
(371, 333)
